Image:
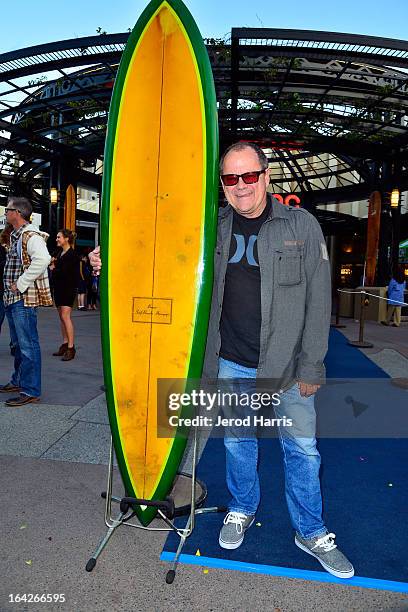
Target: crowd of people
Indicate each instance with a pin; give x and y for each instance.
(30, 277)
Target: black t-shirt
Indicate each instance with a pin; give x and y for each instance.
(240, 325)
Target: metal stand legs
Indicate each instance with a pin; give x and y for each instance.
(165, 513)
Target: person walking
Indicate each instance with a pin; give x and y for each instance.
(26, 286)
(395, 293)
(84, 274)
(93, 289)
(65, 275)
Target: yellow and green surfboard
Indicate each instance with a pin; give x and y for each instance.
(158, 225)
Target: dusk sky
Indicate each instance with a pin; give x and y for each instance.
(27, 22)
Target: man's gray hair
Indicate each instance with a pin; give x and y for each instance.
(23, 205)
(240, 146)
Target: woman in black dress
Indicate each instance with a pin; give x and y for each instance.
(65, 276)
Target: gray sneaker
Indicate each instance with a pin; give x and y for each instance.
(233, 530)
(327, 553)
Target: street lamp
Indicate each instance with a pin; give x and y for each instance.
(395, 198)
(53, 195)
(396, 221)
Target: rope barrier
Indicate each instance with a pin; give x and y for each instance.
(360, 343)
(395, 302)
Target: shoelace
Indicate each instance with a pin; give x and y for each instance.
(326, 542)
(237, 518)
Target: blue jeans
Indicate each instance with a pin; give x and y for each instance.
(22, 322)
(2, 311)
(300, 455)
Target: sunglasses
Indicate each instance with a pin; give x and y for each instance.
(10, 209)
(249, 178)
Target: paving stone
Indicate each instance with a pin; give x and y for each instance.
(28, 431)
(94, 411)
(392, 362)
(85, 443)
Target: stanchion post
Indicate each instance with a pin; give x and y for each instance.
(360, 343)
(337, 324)
(362, 317)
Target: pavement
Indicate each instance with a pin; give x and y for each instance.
(381, 336)
(53, 464)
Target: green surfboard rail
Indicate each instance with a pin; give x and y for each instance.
(209, 236)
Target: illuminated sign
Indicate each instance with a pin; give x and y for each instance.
(345, 271)
(289, 200)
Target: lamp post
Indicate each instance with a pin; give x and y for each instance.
(52, 211)
(395, 204)
(395, 198)
(54, 195)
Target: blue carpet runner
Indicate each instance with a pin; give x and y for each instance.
(364, 483)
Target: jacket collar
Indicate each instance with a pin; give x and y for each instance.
(30, 227)
(16, 233)
(278, 210)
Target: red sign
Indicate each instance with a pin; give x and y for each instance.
(290, 200)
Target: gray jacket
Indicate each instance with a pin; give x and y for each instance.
(295, 296)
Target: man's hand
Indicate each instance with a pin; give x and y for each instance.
(13, 288)
(95, 260)
(307, 390)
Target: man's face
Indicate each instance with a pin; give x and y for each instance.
(248, 200)
(12, 215)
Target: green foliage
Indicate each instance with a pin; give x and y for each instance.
(291, 102)
(219, 49)
(45, 117)
(384, 90)
(38, 81)
(26, 122)
(281, 64)
(215, 42)
(81, 108)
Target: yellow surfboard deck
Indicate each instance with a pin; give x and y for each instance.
(158, 232)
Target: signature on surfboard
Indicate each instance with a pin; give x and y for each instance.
(152, 310)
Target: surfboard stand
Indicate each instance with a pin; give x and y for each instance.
(166, 511)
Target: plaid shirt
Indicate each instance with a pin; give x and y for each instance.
(38, 292)
(13, 269)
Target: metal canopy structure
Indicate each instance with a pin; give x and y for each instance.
(330, 109)
(54, 101)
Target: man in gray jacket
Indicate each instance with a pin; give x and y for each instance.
(269, 324)
(270, 319)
